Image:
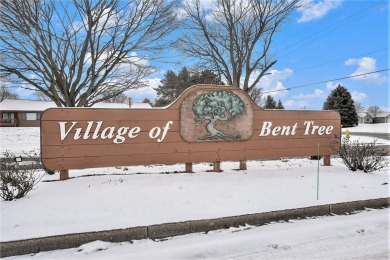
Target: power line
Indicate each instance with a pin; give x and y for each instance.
(315, 25)
(325, 81)
(333, 27)
(341, 59)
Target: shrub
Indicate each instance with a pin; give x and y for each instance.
(367, 157)
(15, 180)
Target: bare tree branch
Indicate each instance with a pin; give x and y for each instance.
(235, 37)
(74, 50)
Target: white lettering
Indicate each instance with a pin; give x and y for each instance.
(294, 129)
(96, 132)
(89, 126)
(276, 130)
(329, 130)
(134, 132)
(77, 135)
(312, 129)
(154, 132)
(308, 124)
(119, 137)
(321, 130)
(165, 130)
(63, 132)
(266, 129)
(110, 134)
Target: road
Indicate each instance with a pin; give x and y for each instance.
(375, 135)
(364, 235)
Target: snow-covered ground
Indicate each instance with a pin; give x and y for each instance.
(122, 197)
(369, 128)
(359, 236)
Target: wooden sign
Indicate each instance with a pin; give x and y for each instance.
(205, 124)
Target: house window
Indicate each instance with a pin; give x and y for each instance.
(31, 116)
(8, 118)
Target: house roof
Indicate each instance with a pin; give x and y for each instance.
(382, 114)
(34, 105)
(364, 114)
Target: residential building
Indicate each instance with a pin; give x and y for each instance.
(368, 118)
(27, 113)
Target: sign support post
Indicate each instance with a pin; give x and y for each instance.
(189, 167)
(64, 175)
(242, 165)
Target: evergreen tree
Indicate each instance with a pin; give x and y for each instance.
(341, 100)
(270, 102)
(280, 105)
(167, 92)
(146, 100)
(174, 85)
(206, 77)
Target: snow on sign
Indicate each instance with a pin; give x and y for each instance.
(205, 124)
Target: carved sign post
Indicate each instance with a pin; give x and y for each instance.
(205, 124)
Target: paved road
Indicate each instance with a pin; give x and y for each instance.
(376, 135)
(358, 236)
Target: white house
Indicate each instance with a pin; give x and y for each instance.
(368, 118)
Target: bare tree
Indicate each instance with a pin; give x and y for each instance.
(235, 37)
(257, 96)
(359, 107)
(115, 98)
(374, 110)
(41, 96)
(73, 51)
(6, 93)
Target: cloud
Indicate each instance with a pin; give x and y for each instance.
(289, 104)
(366, 65)
(298, 105)
(138, 95)
(331, 86)
(25, 90)
(317, 10)
(318, 93)
(358, 96)
(272, 83)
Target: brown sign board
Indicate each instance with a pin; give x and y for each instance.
(205, 124)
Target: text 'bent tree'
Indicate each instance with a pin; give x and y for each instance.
(217, 106)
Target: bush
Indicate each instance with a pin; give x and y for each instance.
(367, 157)
(16, 181)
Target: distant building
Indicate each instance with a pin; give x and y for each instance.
(368, 118)
(27, 113)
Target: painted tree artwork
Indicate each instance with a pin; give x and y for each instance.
(217, 106)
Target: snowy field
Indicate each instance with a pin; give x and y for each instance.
(122, 197)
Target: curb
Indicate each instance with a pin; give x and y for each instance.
(35, 245)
